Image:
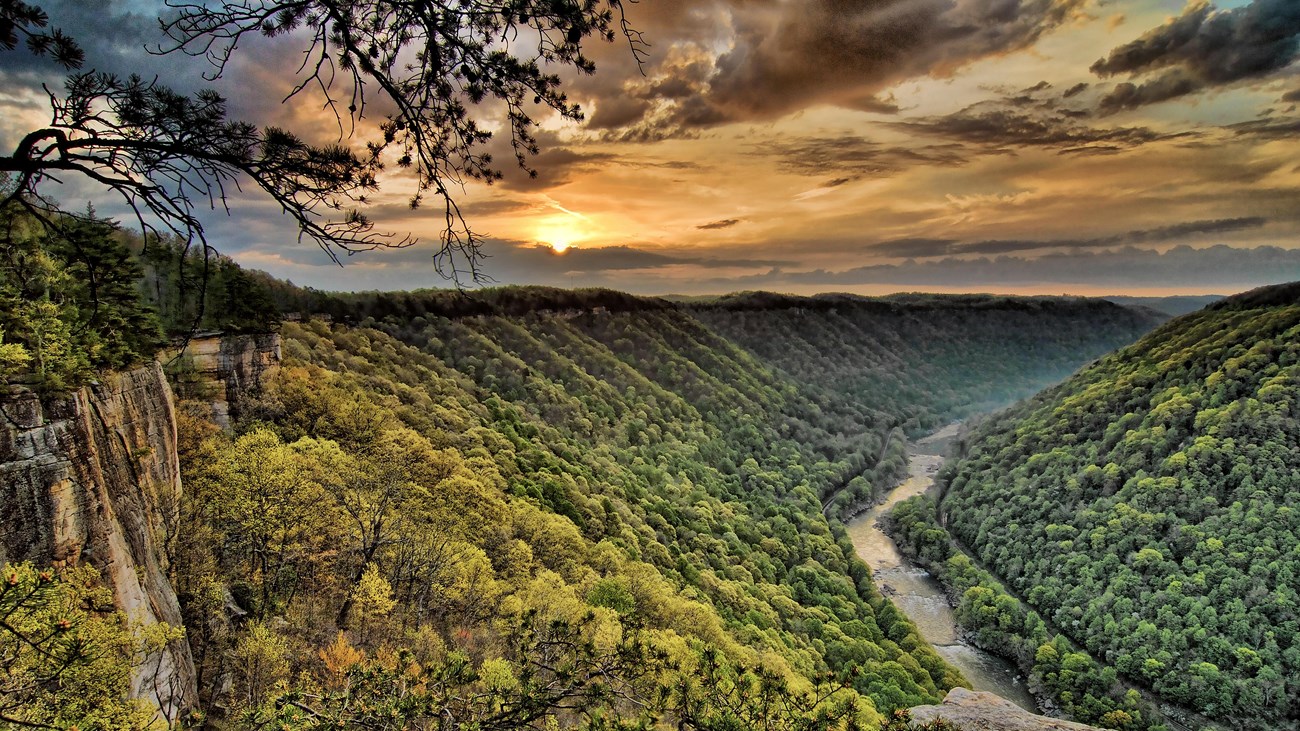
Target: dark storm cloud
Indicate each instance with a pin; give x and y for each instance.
(849, 157)
(1202, 48)
(786, 56)
(1291, 96)
(928, 248)
(646, 131)
(993, 126)
(113, 35)
(842, 52)
(123, 37)
(1128, 95)
(715, 225)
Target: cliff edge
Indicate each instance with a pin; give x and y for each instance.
(978, 711)
(225, 370)
(93, 477)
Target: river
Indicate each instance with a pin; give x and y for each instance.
(921, 597)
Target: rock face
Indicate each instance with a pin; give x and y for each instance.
(978, 711)
(225, 370)
(93, 477)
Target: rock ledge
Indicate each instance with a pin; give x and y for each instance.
(978, 711)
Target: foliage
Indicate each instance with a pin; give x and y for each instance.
(64, 661)
(1148, 507)
(376, 461)
(69, 301)
(996, 621)
(14, 358)
(193, 288)
(555, 675)
(260, 660)
(586, 457)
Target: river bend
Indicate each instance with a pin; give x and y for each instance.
(921, 597)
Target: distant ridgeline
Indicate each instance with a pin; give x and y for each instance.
(1150, 507)
(915, 360)
(924, 360)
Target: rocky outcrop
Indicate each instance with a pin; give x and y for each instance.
(94, 477)
(977, 711)
(225, 370)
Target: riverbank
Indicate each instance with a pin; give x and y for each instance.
(920, 596)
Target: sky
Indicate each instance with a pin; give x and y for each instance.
(1022, 146)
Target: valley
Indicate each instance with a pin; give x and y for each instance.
(581, 505)
(607, 365)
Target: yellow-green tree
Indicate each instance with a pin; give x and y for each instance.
(63, 664)
(278, 519)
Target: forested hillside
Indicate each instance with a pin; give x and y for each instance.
(510, 468)
(593, 452)
(1150, 508)
(868, 372)
(924, 360)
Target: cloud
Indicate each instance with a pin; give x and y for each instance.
(928, 248)
(994, 127)
(914, 248)
(1268, 128)
(1291, 96)
(556, 165)
(714, 225)
(1226, 266)
(607, 258)
(611, 258)
(497, 206)
(1127, 95)
(1203, 48)
(1075, 90)
(850, 157)
(781, 57)
(507, 262)
(113, 35)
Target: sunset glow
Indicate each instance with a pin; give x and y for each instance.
(1046, 145)
(559, 233)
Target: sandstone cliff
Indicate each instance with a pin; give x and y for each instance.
(225, 370)
(977, 711)
(93, 477)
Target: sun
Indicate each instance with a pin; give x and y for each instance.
(559, 234)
